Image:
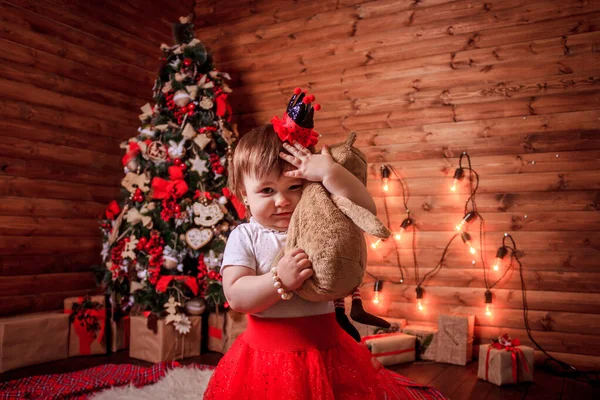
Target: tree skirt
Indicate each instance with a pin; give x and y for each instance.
(83, 384)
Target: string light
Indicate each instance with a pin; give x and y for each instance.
(502, 251)
(488, 303)
(377, 288)
(467, 218)
(419, 291)
(474, 185)
(385, 177)
(467, 239)
(405, 224)
(458, 175)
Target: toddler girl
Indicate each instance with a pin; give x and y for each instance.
(292, 348)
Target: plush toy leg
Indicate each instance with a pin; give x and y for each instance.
(343, 321)
(358, 314)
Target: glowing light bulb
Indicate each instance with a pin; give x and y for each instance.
(376, 298)
(374, 245)
(467, 240)
(502, 251)
(385, 177)
(403, 226)
(458, 175)
(377, 288)
(488, 311)
(471, 248)
(468, 217)
(496, 266)
(454, 185)
(419, 291)
(488, 303)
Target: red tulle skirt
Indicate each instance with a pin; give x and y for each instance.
(306, 358)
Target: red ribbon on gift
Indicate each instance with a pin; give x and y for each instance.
(86, 337)
(515, 353)
(163, 282)
(215, 332)
(126, 330)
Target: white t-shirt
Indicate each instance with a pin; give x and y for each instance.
(254, 246)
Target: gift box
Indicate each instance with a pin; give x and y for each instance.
(235, 324)
(33, 339)
(455, 338)
(166, 344)
(502, 365)
(224, 328)
(87, 317)
(426, 340)
(391, 348)
(120, 333)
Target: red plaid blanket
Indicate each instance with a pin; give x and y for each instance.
(81, 384)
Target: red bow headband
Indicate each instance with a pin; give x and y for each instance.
(297, 123)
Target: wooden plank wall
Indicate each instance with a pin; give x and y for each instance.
(73, 75)
(515, 83)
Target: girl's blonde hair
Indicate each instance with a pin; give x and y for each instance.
(256, 155)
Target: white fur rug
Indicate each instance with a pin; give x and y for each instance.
(179, 383)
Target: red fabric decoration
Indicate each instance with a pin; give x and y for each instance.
(289, 131)
(133, 149)
(162, 188)
(189, 281)
(175, 172)
(240, 208)
(113, 210)
(223, 108)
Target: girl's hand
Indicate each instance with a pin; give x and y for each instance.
(293, 269)
(312, 167)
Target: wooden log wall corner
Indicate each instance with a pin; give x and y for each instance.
(515, 83)
(73, 75)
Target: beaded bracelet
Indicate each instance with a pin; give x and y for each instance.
(285, 295)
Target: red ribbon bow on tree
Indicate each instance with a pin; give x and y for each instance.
(176, 187)
(189, 281)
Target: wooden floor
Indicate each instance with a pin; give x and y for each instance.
(456, 382)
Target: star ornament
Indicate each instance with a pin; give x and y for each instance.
(199, 165)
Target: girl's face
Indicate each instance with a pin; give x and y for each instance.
(272, 199)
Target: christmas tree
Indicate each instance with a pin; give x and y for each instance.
(163, 242)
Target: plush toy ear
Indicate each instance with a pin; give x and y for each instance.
(361, 217)
(351, 139)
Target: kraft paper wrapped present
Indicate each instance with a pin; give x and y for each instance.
(391, 348)
(87, 316)
(224, 328)
(166, 344)
(502, 365)
(33, 339)
(120, 333)
(426, 340)
(455, 338)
